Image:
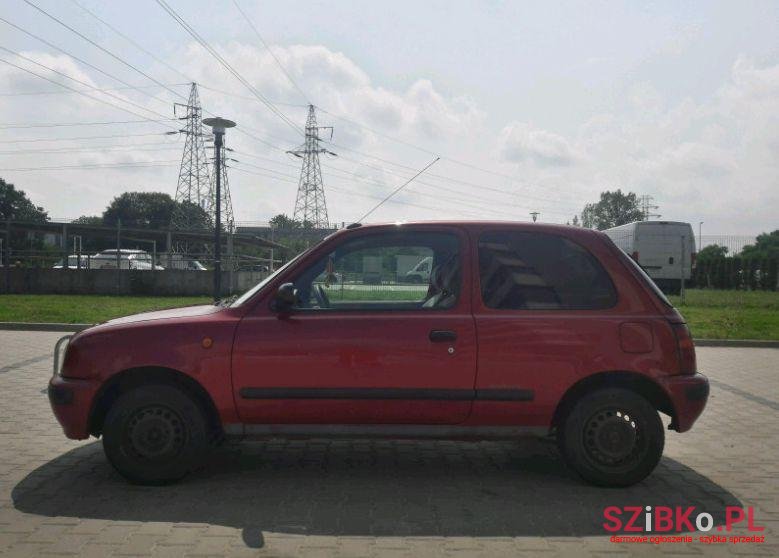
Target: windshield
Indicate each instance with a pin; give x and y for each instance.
(256, 288)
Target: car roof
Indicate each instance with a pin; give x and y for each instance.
(525, 226)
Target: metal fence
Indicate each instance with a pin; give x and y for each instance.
(676, 259)
(74, 245)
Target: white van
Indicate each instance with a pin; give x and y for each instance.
(665, 249)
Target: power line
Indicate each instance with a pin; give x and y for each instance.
(176, 17)
(105, 50)
(80, 92)
(278, 62)
(419, 148)
(131, 41)
(69, 124)
(92, 166)
(358, 193)
(94, 149)
(475, 203)
(80, 138)
(444, 177)
(76, 58)
(101, 90)
(247, 98)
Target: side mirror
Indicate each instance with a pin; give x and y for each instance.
(286, 298)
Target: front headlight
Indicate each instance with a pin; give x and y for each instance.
(60, 348)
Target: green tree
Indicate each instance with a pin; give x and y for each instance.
(152, 210)
(613, 209)
(88, 220)
(766, 247)
(283, 221)
(14, 204)
(712, 252)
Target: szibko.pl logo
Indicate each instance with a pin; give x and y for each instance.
(664, 519)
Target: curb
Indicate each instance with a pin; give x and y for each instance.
(753, 343)
(24, 326)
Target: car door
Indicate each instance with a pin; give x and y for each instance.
(364, 345)
(546, 316)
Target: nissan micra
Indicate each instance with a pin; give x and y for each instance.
(519, 329)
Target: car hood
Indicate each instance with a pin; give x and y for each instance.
(172, 313)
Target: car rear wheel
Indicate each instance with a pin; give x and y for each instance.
(155, 434)
(612, 437)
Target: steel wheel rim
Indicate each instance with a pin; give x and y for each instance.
(613, 438)
(155, 432)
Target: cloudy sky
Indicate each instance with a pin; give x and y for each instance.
(531, 106)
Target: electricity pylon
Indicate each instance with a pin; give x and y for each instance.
(310, 204)
(647, 207)
(194, 185)
(228, 223)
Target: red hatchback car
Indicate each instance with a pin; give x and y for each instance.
(515, 329)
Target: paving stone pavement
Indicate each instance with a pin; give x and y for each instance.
(375, 498)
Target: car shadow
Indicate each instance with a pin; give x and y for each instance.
(370, 488)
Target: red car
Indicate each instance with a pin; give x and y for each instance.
(520, 329)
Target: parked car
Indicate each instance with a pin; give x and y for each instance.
(665, 249)
(180, 261)
(523, 329)
(128, 259)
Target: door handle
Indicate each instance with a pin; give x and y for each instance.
(442, 335)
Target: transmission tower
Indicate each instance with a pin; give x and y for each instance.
(194, 185)
(647, 207)
(310, 204)
(228, 223)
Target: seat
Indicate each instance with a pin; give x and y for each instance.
(444, 284)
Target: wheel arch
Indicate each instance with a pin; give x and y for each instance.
(638, 383)
(126, 380)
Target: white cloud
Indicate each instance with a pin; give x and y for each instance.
(522, 142)
(713, 159)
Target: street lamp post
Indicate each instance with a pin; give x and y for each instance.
(218, 127)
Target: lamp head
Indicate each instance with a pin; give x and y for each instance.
(218, 124)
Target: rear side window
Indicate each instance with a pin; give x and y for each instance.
(528, 270)
(645, 278)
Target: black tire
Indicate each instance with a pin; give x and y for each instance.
(155, 434)
(612, 437)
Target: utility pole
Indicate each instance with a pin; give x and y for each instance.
(647, 207)
(218, 126)
(310, 204)
(534, 215)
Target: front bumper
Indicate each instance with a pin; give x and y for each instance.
(688, 395)
(71, 401)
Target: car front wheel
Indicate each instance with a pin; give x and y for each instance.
(612, 437)
(155, 434)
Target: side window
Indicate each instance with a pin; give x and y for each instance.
(527, 270)
(389, 271)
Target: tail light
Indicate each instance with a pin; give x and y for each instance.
(693, 258)
(634, 255)
(685, 348)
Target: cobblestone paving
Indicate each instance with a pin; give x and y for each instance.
(363, 498)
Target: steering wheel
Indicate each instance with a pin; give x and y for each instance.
(321, 297)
